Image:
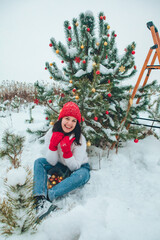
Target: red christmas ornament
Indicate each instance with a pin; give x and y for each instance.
(97, 72)
(83, 119)
(36, 101)
(135, 67)
(101, 17)
(69, 27)
(50, 101)
(84, 61)
(74, 89)
(106, 56)
(133, 52)
(107, 112)
(47, 118)
(125, 49)
(108, 35)
(115, 35)
(88, 29)
(69, 39)
(109, 81)
(136, 140)
(104, 17)
(45, 68)
(50, 45)
(95, 118)
(77, 59)
(62, 95)
(109, 94)
(62, 61)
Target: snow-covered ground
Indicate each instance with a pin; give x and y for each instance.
(121, 201)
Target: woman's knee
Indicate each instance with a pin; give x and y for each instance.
(82, 175)
(39, 161)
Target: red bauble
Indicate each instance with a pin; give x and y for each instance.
(108, 35)
(69, 27)
(84, 61)
(135, 67)
(109, 95)
(109, 81)
(107, 112)
(74, 89)
(97, 72)
(95, 118)
(47, 118)
(45, 68)
(88, 29)
(115, 35)
(101, 17)
(69, 39)
(125, 49)
(62, 95)
(50, 45)
(62, 61)
(104, 17)
(50, 101)
(83, 119)
(136, 140)
(106, 56)
(133, 52)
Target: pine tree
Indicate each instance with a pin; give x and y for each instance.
(93, 76)
(16, 210)
(12, 148)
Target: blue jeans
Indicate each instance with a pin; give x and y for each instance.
(76, 179)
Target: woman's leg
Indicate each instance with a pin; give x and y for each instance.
(76, 179)
(41, 168)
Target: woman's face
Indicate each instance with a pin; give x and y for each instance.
(68, 124)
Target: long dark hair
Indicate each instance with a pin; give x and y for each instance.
(77, 130)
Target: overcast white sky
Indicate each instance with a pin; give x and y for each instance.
(26, 27)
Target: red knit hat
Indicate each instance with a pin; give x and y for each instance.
(70, 109)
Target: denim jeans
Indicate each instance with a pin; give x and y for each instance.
(76, 179)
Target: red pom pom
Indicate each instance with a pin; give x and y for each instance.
(101, 17)
(97, 72)
(125, 49)
(84, 61)
(104, 17)
(50, 101)
(74, 89)
(88, 29)
(107, 112)
(109, 94)
(47, 118)
(108, 35)
(62, 61)
(135, 67)
(50, 45)
(136, 140)
(109, 81)
(45, 68)
(69, 27)
(115, 35)
(133, 52)
(106, 56)
(62, 95)
(69, 39)
(95, 118)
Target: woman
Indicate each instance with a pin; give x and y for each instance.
(66, 153)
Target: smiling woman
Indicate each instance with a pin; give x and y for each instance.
(66, 154)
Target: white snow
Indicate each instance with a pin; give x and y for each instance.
(121, 201)
(16, 176)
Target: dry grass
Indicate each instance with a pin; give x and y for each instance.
(10, 89)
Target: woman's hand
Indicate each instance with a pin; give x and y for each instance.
(66, 146)
(55, 140)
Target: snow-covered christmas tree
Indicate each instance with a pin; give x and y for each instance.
(93, 76)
